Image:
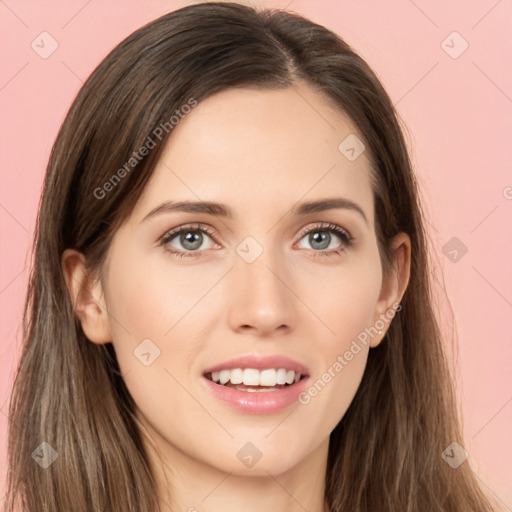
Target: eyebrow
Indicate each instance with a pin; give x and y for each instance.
(207, 207)
(328, 204)
(221, 210)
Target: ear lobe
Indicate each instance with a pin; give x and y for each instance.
(394, 284)
(86, 296)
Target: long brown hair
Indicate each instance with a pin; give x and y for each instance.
(385, 454)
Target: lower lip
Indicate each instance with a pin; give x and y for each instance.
(257, 402)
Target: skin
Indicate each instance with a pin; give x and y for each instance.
(259, 152)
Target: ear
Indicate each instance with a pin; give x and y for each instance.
(87, 297)
(394, 284)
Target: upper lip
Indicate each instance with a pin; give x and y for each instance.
(259, 362)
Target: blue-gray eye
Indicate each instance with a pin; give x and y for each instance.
(188, 239)
(326, 238)
(191, 240)
(319, 240)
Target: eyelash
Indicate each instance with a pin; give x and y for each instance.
(347, 241)
(346, 238)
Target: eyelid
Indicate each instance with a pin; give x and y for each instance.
(327, 226)
(346, 239)
(192, 226)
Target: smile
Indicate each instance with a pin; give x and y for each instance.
(252, 379)
(257, 384)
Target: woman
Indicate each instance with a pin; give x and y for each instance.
(229, 305)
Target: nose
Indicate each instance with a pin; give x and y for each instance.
(260, 301)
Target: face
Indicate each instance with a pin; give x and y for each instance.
(252, 248)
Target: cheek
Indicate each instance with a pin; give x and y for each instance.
(156, 317)
(344, 297)
(150, 296)
(155, 314)
(345, 300)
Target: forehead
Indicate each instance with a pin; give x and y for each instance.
(255, 148)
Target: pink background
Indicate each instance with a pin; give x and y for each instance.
(458, 114)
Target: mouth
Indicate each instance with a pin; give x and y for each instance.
(253, 380)
(257, 384)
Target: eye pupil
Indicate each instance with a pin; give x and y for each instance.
(322, 238)
(191, 240)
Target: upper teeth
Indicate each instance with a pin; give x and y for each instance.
(253, 377)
